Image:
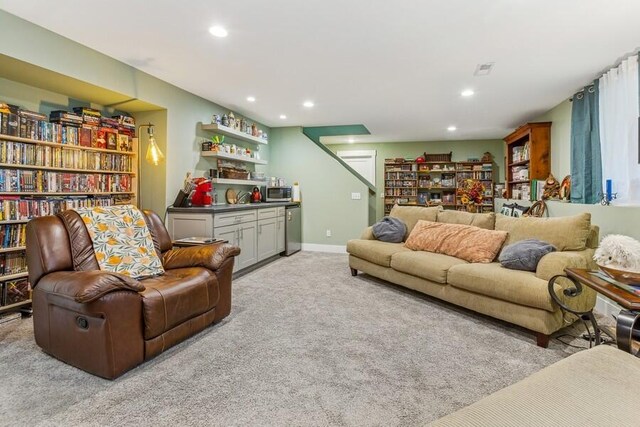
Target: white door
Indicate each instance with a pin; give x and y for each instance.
(362, 161)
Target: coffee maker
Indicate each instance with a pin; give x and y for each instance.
(202, 194)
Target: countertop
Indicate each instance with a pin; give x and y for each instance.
(231, 208)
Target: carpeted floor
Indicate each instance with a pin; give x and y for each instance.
(306, 344)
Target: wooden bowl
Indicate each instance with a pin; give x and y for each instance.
(622, 276)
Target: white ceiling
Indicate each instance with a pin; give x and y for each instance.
(395, 66)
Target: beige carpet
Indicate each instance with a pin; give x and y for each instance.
(306, 344)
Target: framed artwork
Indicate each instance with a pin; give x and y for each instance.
(506, 210)
(123, 143)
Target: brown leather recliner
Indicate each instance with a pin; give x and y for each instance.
(106, 323)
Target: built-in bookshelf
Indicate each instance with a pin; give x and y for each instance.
(528, 158)
(47, 166)
(434, 183)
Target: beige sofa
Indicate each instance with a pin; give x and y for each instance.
(519, 297)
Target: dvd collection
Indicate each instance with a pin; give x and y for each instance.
(12, 235)
(39, 181)
(44, 155)
(13, 263)
(14, 208)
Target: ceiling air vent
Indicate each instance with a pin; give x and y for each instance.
(484, 69)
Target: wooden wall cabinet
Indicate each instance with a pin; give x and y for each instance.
(528, 158)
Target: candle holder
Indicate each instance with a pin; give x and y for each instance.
(606, 201)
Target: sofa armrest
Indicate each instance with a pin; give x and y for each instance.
(207, 256)
(87, 286)
(554, 263)
(367, 234)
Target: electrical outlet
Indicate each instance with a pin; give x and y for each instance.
(355, 196)
(328, 233)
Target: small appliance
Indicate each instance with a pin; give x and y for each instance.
(202, 193)
(277, 194)
(256, 195)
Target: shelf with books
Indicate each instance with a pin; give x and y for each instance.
(13, 249)
(528, 157)
(61, 169)
(4, 137)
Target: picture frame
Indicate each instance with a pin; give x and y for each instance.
(123, 143)
(506, 210)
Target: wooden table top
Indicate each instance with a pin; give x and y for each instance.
(626, 299)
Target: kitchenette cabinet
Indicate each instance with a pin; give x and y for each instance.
(259, 230)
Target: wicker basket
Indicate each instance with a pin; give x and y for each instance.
(231, 173)
(438, 157)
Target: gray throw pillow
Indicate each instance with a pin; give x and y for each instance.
(525, 254)
(389, 229)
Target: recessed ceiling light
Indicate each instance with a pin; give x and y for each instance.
(308, 104)
(467, 92)
(283, 116)
(351, 140)
(451, 128)
(218, 31)
(251, 98)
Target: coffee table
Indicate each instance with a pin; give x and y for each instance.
(627, 322)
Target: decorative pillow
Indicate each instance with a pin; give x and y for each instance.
(567, 233)
(482, 220)
(121, 240)
(410, 215)
(389, 229)
(525, 254)
(466, 242)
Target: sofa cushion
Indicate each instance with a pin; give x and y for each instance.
(482, 220)
(374, 251)
(178, 295)
(410, 215)
(469, 243)
(568, 233)
(427, 265)
(525, 254)
(389, 229)
(493, 280)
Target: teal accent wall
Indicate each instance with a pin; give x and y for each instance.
(181, 136)
(325, 187)
(462, 150)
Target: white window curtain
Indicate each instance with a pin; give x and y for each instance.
(619, 110)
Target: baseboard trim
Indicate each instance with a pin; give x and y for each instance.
(606, 307)
(314, 247)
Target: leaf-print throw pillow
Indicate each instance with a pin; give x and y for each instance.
(121, 240)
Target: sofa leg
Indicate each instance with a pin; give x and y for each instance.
(542, 340)
(354, 272)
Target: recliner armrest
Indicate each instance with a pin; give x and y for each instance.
(207, 256)
(87, 286)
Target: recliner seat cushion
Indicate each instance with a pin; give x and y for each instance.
(493, 280)
(427, 265)
(374, 251)
(178, 295)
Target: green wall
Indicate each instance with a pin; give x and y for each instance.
(184, 111)
(560, 116)
(325, 187)
(462, 150)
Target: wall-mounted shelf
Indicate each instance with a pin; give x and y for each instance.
(226, 156)
(237, 181)
(224, 130)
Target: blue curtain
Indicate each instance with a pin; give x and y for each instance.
(586, 161)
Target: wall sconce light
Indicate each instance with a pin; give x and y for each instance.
(154, 155)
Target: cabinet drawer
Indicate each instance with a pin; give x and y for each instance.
(267, 213)
(280, 211)
(230, 218)
(181, 225)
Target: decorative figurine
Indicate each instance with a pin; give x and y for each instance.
(225, 120)
(254, 129)
(486, 157)
(243, 125)
(216, 119)
(551, 188)
(232, 120)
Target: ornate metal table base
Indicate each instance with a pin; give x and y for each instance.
(627, 325)
(628, 330)
(596, 337)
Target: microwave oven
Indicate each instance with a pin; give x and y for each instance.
(277, 194)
